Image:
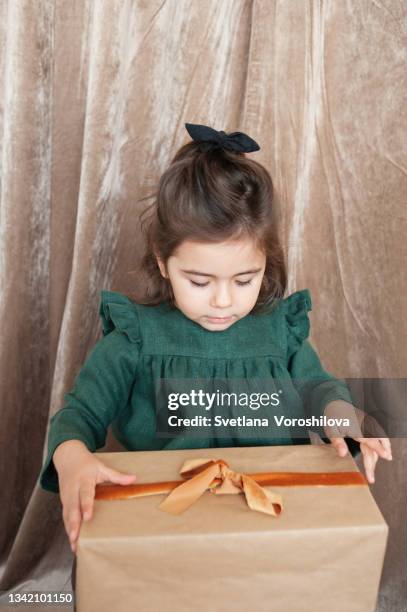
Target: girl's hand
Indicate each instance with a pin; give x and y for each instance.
(371, 448)
(79, 471)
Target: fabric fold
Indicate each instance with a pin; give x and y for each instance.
(297, 306)
(117, 311)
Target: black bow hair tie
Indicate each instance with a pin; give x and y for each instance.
(211, 139)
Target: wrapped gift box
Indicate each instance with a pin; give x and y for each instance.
(323, 552)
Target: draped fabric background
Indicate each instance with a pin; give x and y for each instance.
(94, 97)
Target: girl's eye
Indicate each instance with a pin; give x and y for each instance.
(239, 283)
(198, 284)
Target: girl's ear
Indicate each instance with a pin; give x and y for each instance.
(161, 266)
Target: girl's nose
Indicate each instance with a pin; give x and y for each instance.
(222, 297)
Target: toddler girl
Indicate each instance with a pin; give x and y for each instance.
(214, 309)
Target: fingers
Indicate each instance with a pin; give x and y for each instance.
(78, 501)
(385, 442)
(371, 448)
(78, 507)
(370, 458)
(110, 475)
(380, 445)
(340, 445)
(72, 519)
(87, 497)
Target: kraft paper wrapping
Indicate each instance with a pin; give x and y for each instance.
(324, 551)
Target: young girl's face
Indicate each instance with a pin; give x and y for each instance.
(215, 284)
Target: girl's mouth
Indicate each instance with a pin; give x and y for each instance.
(219, 319)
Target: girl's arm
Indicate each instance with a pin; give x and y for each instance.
(101, 389)
(320, 392)
(316, 387)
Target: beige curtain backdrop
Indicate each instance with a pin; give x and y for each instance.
(94, 97)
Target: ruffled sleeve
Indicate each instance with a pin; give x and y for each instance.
(314, 384)
(102, 387)
(117, 311)
(296, 311)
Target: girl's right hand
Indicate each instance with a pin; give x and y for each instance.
(78, 473)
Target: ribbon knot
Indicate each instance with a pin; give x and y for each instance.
(210, 139)
(215, 475)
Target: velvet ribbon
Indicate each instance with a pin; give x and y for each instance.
(215, 475)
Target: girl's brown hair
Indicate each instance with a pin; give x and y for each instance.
(212, 197)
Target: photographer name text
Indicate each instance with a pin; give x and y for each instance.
(244, 421)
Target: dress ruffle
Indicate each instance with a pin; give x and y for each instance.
(297, 306)
(117, 311)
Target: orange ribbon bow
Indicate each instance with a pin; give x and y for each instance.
(219, 479)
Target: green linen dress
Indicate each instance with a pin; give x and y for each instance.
(142, 344)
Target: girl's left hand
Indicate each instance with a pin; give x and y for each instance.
(371, 448)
